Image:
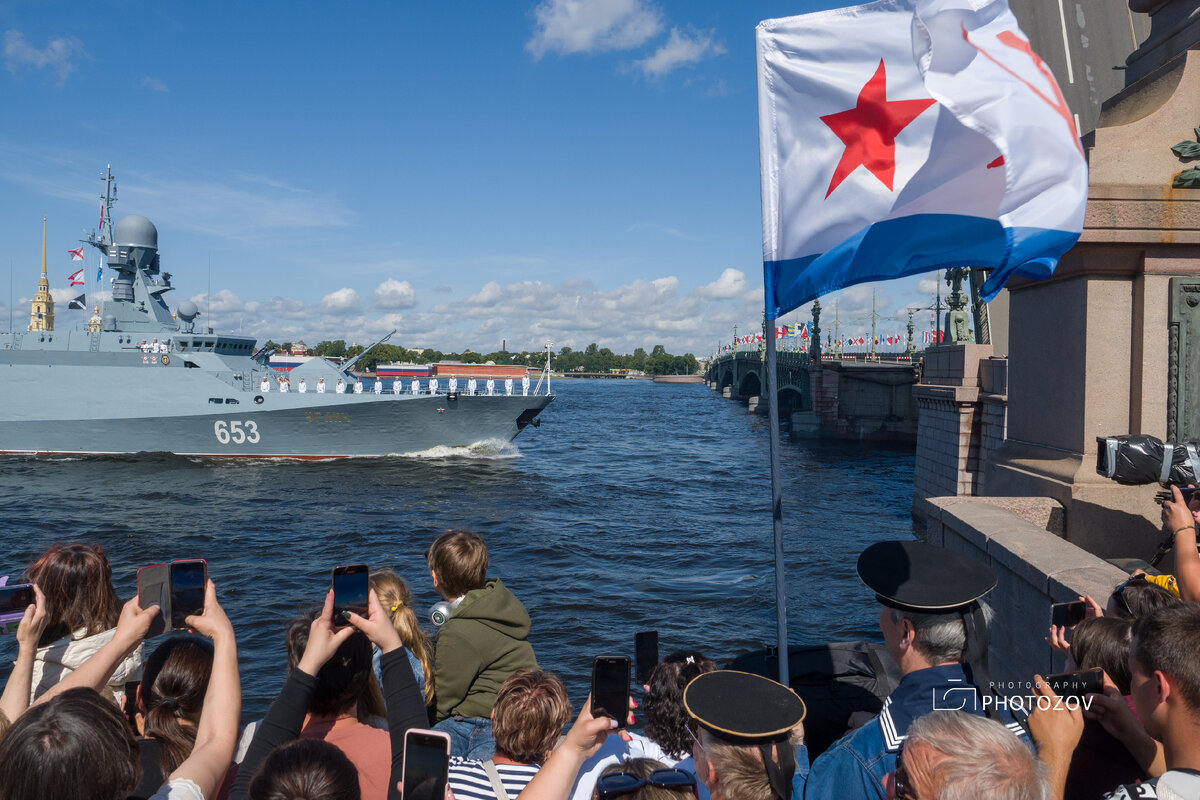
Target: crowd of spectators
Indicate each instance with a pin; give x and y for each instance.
(94, 710)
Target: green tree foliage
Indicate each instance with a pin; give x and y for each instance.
(593, 359)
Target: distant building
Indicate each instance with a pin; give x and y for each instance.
(298, 349)
(41, 312)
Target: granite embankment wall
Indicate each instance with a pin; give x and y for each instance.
(1034, 568)
(963, 400)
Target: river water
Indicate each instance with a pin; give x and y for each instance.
(634, 506)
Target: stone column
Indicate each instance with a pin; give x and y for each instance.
(1090, 349)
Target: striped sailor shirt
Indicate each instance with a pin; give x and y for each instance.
(470, 782)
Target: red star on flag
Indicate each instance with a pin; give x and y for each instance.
(869, 130)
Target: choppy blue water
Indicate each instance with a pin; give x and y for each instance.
(634, 506)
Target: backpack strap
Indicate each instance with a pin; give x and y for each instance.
(493, 774)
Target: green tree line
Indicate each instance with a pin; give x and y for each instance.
(593, 358)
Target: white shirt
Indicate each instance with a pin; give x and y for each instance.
(341, 387)
(285, 385)
(397, 386)
(433, 385)
(321, 386)
(378, 386)
(416, 386)
(508, 386)
(491, 387)
(302, 387)
(265, 386)
(358, 387)
(471, 386)
(453, 384)
(615, 750)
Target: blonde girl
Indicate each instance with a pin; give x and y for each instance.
(396, 599)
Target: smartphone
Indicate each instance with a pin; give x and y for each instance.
(188, 579)
(154, 588)
(1188, 492)
(426, 767)
(645, 654)
(1077, 684)
(350, 586)
(610, 688)
(14, 600)
(1068, 615)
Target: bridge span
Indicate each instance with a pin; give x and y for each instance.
(845, 398)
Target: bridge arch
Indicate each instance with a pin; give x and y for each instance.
(792, 399)
(750, 385)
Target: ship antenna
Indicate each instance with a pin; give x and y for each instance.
(110, 197)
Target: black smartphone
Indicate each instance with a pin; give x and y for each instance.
(645, 654)
(1077, 684)
(188, 579)
(154, 588)
(426, 767)
(350, 587)
(1068, 615)
(1188, 492)
(14, 600)
(610, 688)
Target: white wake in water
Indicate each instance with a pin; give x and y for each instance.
(485, 450)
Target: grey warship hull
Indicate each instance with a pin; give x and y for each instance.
(144, 378)
(176, 417)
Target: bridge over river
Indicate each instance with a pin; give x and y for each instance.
(848, 397)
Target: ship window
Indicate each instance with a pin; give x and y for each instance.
(231, 401)
(215, 400)
(190, 365)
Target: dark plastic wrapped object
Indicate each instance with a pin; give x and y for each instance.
(1137, 460)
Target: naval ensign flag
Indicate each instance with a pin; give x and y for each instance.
(903, 136)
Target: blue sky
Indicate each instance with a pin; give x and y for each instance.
(564, 170)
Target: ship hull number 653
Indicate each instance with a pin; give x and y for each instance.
(236, 431)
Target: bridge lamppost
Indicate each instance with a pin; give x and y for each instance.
(814, 348)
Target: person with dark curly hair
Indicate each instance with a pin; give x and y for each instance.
(667, 737)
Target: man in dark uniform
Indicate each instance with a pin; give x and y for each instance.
(934, 629)
(746, 726)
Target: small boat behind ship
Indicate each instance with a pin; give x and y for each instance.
(195, 392)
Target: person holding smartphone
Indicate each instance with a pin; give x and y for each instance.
(82, 608)
(261, 777)
(15, 699)
(93, 752)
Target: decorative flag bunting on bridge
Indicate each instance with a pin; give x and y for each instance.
(902, 136)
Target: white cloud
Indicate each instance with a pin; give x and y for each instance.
(927, 285)
(340, 303)
(680, 48)
(590, 26)
(58, 56)
(223, 302)
(155, 83)
(392, 294)
(731, 284)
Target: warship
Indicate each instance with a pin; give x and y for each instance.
(194, 392)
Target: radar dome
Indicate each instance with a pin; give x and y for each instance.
(135, 231)
(188, 311)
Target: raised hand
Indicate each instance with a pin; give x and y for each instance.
(324, 639)
(213, 623)
(377, 625)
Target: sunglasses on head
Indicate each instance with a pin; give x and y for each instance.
(619, 783)
(1119, 594)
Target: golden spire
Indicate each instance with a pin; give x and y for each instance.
(41, 312)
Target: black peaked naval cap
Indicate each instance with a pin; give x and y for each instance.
(742, 707)
(914, 576)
